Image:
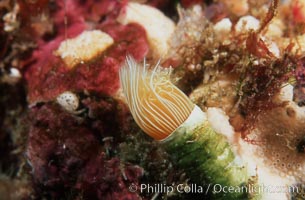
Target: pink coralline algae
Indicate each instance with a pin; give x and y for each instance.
(67, 157)
(56, 148)
(102, 179)
(46, 74)
(66, 131)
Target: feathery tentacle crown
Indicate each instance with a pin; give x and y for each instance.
(157, 105)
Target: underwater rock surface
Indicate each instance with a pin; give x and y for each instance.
(66, 131)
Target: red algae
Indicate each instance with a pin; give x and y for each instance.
(94, 150)
(108, 117)
(42, 62)
(99, 11)
(47, 75)
(298, 12)
(31, 8)
(50, 140)
(109, 179)
(258, 93)
(65, 154)
(299, 92)
(300, 71)
(257, 46)
(129, 39)
(189, 3)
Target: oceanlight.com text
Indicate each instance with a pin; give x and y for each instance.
(212, 188)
